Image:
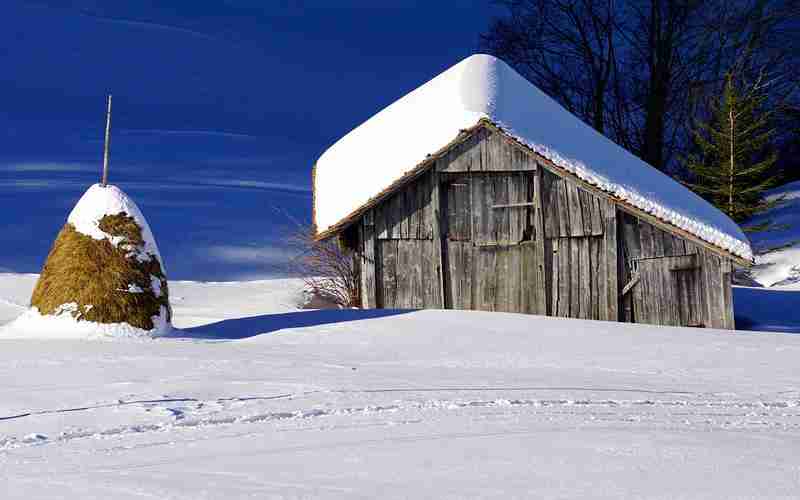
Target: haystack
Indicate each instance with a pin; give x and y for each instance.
(104, 275)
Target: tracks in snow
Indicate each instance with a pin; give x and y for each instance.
(715, 412)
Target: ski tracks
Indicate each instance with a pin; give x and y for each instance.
(179, 414)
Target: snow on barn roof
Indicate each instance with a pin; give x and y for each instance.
(382, 150)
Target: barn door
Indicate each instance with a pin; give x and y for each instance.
(490, 242)
(668, 291)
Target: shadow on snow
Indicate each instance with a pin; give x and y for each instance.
(242, 328)
(767, 310)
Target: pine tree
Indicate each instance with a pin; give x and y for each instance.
(733, 167)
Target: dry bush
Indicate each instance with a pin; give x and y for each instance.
(327, 267)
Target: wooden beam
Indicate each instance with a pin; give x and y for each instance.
(629, 286)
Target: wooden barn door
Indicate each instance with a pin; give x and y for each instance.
(494, 259)
(668, 291)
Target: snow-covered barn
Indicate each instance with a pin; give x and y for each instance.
(478, 191)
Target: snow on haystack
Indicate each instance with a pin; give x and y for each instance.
(401, 136)
(104, 276)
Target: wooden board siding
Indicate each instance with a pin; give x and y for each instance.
(408, 214)
(367, 242)
(489, 228)
(580, 253)
(679, 283)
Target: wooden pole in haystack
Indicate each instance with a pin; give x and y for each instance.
(108, 140)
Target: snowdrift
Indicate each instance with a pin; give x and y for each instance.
(778, 248)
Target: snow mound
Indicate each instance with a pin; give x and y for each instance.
(33, 325)
(778, 248)
(104, 276)
(99, 201)
(484, 87)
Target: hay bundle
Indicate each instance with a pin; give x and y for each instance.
(104, 274)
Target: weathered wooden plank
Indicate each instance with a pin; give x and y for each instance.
(367, 266)
(541, 287)
(516, 214)
(658, 242)
(586, 211)
(575, 210)
(585, 277)
(439, 252)
(668, 244)
(404, 276)
(715, 290)
(611, 262)
(575, 277)
(389, 272)
(603, 310)
(564, 211)
(380, 222)
(464, 157)
(597, 216)
(551, 261)
(412, 210)
(595, 245)
(428, 277)
(402, 213)
(646, 238)
(458, 209)
(549, 204)
(480, 214)
(505, 281)
(486, 279)
(425, 207)
(727, 294)
(500, 233)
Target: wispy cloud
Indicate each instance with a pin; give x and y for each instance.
(188, 133)
(150, 25)
(246, 183)
(50, 167)
(38, 184)
(263, 255)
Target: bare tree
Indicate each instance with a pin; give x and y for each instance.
(566, 47)
(639, 70)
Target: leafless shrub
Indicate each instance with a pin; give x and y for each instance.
(327, 267)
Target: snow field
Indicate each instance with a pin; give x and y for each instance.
(365, 404)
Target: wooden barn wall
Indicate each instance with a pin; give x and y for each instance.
(399, 255)
(491, 226)
(490, 229)
(580, 250)
(673, 281)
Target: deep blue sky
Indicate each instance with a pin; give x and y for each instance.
(220, 109)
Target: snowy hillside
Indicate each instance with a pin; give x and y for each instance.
(778, 249)
(393, 404)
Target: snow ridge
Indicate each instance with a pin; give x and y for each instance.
(484, 87)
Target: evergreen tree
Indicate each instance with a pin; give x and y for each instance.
(734, 161)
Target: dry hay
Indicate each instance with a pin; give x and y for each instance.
(98, 276)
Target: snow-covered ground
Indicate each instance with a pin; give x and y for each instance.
(392, 404)
(778, 248)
